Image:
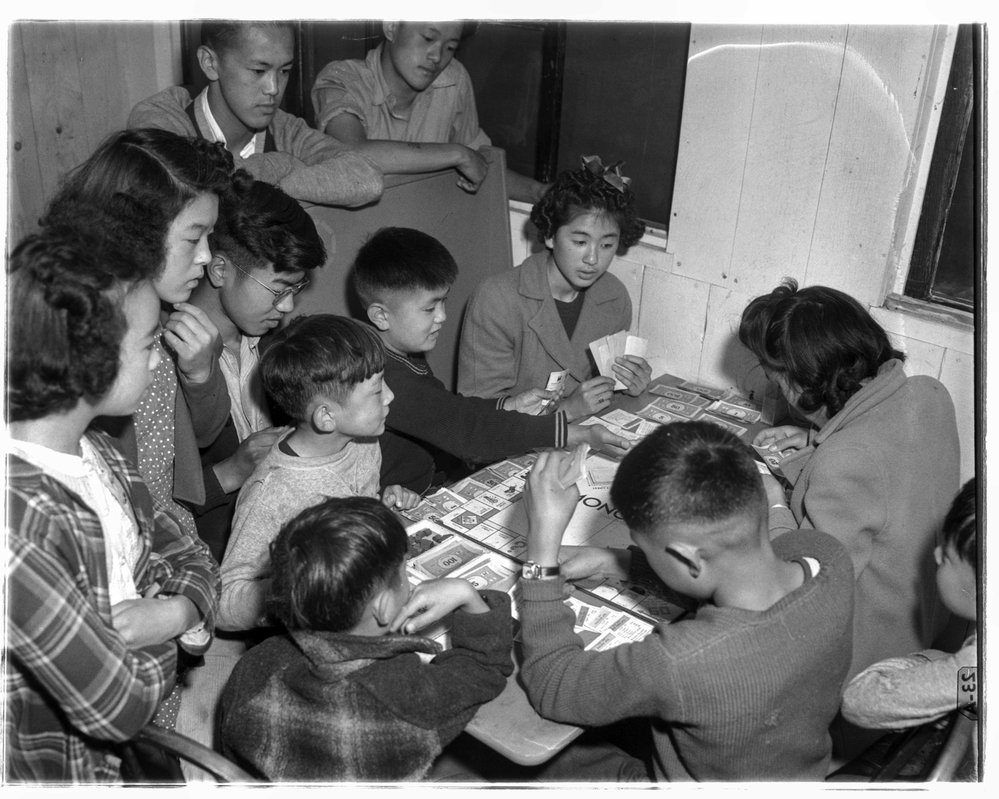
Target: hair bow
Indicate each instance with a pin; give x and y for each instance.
(612, 174)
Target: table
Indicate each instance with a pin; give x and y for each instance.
(508, 724)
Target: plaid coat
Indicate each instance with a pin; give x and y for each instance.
(73, 687)
(320, 706)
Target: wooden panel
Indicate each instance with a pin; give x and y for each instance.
(921, 357)
(26, 197)
(870, 157)
(796, 100)
(714, 132)
(958, 374)
(672, 318)
(631, 273)
(724, 361)
(56, 99)
(474, 228)
(98, 58)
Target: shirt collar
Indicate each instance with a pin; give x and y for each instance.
(49, 460)
(203, 110)
(448, 77)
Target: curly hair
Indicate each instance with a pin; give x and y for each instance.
(960, 527)
(328, 561)
(138, 181)
(318, 354)
(579, 191)
(259, 223)
(65, 324)
(820, 339)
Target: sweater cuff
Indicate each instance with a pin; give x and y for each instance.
(561, 430)
(781, 519)
(543, 590)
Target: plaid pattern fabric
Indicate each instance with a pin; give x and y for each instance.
(72, 685)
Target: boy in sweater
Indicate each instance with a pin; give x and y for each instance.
(344, 694)
(402, 277)
(745, 688)
(325, 372)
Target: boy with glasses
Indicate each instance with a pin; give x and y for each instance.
(263, 247)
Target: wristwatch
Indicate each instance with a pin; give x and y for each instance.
(532, 571)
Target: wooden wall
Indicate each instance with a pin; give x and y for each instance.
(71, 84)
(802, 153)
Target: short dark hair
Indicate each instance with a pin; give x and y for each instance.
(318, 354)
(223, 34)
(138, 181)
(687, 472)
(328, 561)
(401, 259)
(259, 222)
(66, 323)
(579, 191)
(820, 339)
(960, 525)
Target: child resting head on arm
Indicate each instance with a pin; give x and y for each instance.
(343, 694)
(924, 686)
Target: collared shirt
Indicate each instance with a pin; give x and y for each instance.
(443, 112)
(206, 120)
(87, 476)
(246, 393)
(72, 685)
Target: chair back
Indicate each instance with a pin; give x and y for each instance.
(154, 755)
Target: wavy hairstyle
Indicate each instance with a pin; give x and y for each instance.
(328, 561)
(139, 181)
(66, 322)
(820, 339)
(580, 191)
(260, 223)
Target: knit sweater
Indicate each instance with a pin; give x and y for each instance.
(337, 707)
(280, 487)
(305, 163)
(731, 694)
(469, 428)
(881, 477)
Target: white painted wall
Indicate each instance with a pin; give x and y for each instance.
(803, 153)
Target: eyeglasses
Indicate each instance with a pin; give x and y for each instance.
(279, 296)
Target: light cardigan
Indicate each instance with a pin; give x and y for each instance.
(880, 476)
(512, 337)
(308, 165)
